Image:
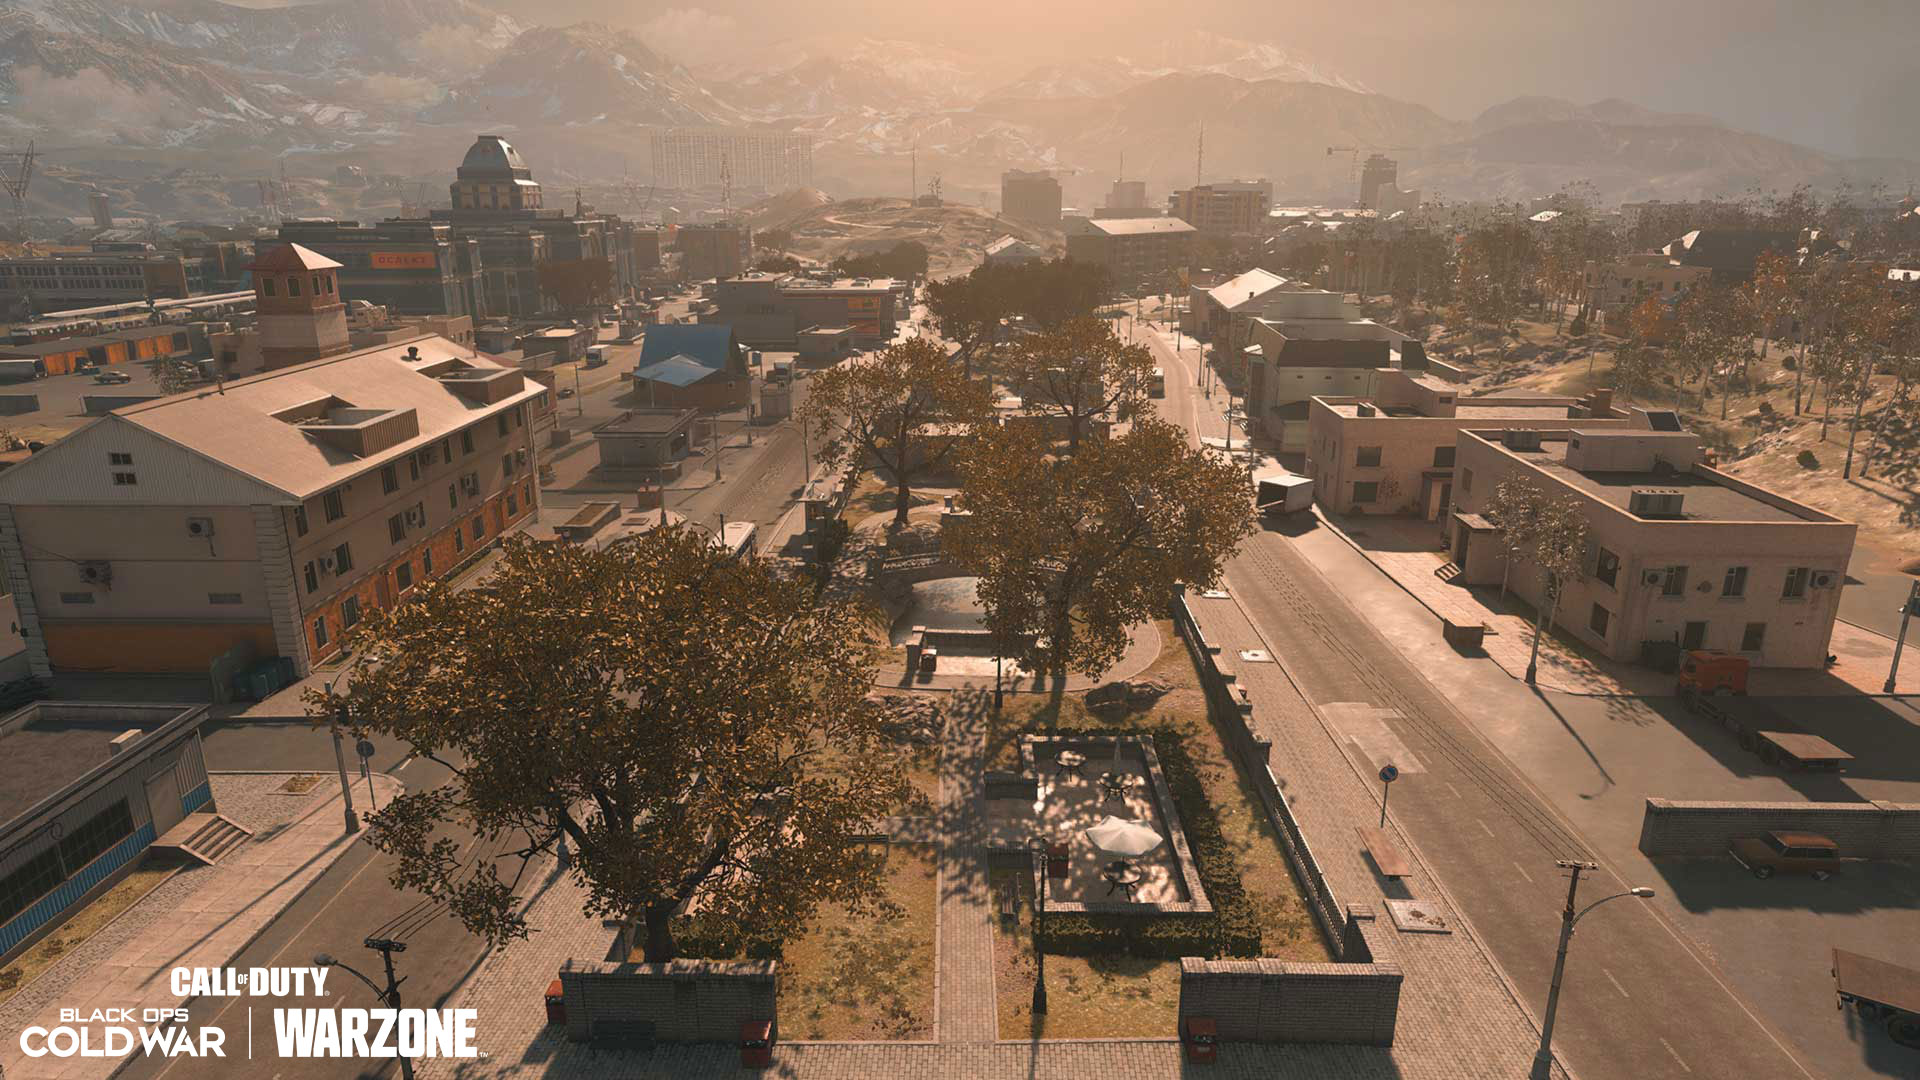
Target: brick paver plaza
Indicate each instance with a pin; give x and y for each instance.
(1459, 1018)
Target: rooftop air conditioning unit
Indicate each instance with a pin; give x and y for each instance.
(1655, 502)
(200, 528)
(1520, 439)
(1824, 579)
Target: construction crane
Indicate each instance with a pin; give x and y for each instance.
(1353, 155)
(16, 172)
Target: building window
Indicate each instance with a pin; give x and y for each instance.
(446, 450)
(266, 287)
(1796, 586)
(513, 504)
(117, 458)
(389, 480)
(333, 505)
(1466, 481)
(313, 577)
(1599, 620)
(349, 611)
(300, 521)
(403, 575)
(478, 530)
(1443, 457)
(500, 421)
(453, 497)
(320, 631)
(1694, 636)
(125, 479)
(1366, 491)
(342, 559)
(1735, 584)
(1367, 457)
(397, 528)
(527, 489)
(1673, 581)
(413, 467)
(459, 540)
(506, 464)
(293, 286)
(316, 285)
(1606, 568)
(94, 836)
(1753, 637)
(76, 598)
(426, 562)
(223, 598)
(466, 441)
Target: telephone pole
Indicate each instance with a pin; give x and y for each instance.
(386, 947)
(1200, 154)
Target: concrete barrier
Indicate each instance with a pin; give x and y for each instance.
(1868, 830)
(16, 404)
(102, 404)
(1282, 1001)
(683, 1001)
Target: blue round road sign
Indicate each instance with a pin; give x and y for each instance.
(364, 748)
(1389, 773)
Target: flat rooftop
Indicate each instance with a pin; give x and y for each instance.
(48, 745)
(1704, 499)
(1517, 410)
(647, 422)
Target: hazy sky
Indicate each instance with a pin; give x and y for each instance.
(1841, 75)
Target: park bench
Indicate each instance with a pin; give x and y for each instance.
(1386, 858)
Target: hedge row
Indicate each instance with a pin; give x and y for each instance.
(1233, 928)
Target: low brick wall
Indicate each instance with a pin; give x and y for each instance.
(15, 404)
(1870, 830)
(1282, 1001)
(685, 1001)
(102, 404)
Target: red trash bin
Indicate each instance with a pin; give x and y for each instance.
(1202, 1038)
(556, 1004)
(1057, 860)
(756, 1043)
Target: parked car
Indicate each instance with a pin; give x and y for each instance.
(1792, 852)
(565, 392)
(113, 378)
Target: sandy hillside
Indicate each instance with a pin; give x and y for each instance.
(955, 236)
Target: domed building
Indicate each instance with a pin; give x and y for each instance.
(493, 177)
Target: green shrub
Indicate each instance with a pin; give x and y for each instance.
(1233, 927)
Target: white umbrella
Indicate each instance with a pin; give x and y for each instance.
(1123, 837)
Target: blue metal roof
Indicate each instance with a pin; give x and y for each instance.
(709, 344)
(674, 371)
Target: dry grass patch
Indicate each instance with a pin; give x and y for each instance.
(1088, 997)
(83, 924)
(867, 976)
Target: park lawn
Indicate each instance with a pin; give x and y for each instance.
(83, 924)
(871, 976)
(1088, 997)
(1288, 931)
(920, 763)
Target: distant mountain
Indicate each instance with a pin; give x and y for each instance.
(831, 76)
(579, 76)
(1200, 51)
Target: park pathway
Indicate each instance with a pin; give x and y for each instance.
(967, 1013)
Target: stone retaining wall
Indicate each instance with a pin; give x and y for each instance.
(1283, 1001)
(685, 1001)
(1871, 830)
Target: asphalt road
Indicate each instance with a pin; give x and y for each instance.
(1637, 1001)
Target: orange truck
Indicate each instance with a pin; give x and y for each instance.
(1714, 686)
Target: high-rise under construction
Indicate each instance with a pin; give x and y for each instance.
(763, 161)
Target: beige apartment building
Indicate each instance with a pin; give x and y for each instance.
(1305, 343)
(1679, 553)
(1392, 450)
(265, 516)
(1135, 250)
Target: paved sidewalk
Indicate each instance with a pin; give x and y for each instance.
(964, 975)
(205, 922)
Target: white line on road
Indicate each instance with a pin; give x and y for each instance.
(1678, 1060)
(1523, 873)
(1483, 827)
(1616, 984)
(1450, 787)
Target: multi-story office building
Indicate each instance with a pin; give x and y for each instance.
(1032, 197)
(1135, 250)
(770, 310)
(409, 267)
(763, 161)
(1228, 208)
(57, 282)
(720, 250)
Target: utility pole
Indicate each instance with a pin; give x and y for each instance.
(1200, 154)
(340, 759)
(1899, 644)
(1543, 1058)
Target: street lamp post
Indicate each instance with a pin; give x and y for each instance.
(1907, 611)
(1038, 845)
(1549, 602)
(1543, 1060)
(340, 759)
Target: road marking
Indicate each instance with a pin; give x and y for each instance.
(1617, 986)
(1678, 1060)
(1523, 873)
(1450, 787)
(1483, 827)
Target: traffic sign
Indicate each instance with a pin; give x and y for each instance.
(364, 748)
(1389, 773)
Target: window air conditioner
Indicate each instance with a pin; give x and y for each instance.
(96, 573)
(326, 564)
(1824, 579)
(199, 528)
(1652, 578)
